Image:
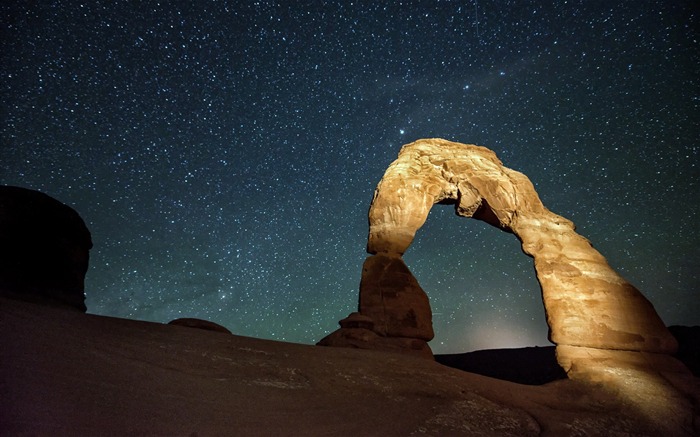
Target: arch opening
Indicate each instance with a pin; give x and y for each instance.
(482, 289)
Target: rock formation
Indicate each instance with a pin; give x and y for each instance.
(587, 303)
(357, 331)
(44, 249)
(394, 311)
(605, 330)
(199, 324)
(392, 298)
(688, 346)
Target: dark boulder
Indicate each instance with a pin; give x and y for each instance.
(199, 324)
(688, 346)
(530, 365)
(44, 249)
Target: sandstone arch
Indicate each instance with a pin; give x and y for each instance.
(605, 331)
(587, 303)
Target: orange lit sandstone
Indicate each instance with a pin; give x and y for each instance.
(588, 304)
(605, 330)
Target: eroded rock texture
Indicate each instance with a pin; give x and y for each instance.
(587, 303)
(394, 311)
(606, 332)
(44, 249)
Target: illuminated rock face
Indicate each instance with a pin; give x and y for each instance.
(587, 303)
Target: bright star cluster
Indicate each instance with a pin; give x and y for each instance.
(224, 154)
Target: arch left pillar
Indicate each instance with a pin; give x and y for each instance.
(393, 311)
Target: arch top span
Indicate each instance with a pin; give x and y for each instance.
(439, 171)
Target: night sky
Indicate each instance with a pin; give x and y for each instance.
(224, 154)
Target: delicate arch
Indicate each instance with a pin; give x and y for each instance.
(604, 329)
(587, 303)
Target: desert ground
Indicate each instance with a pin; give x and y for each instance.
(69, 373)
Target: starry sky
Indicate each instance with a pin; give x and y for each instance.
(224, 154)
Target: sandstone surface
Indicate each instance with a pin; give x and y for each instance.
(63, 372)
(391, 296)
(394, 311)
(44, 249)
(605, 330)
(588, 304)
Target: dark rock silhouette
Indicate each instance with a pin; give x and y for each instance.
(44, 249)
(538, 365)
(688, 346)
(199, 324)
(530, 365)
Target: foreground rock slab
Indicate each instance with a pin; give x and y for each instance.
(63, 372)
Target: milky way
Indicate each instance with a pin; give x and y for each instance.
(224, 154)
